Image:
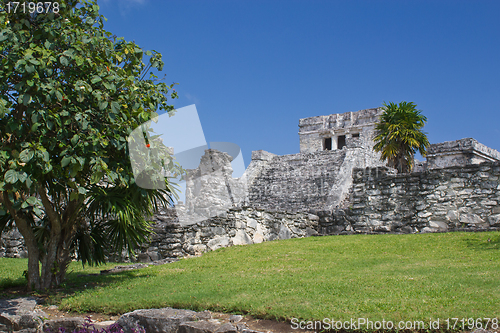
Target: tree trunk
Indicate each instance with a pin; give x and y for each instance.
(58, 255)
(33, 265)
(33, 255)
(49, 262)
(30, 241)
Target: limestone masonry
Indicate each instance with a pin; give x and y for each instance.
(335, 185)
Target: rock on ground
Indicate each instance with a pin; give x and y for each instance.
(20, 314)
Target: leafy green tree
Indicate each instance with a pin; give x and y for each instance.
(71, 93)
(399, 135)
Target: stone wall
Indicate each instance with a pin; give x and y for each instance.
(172, 239)
(238, 226)
(458, 153)
(12, 245)
(307, 182)
(437, 200)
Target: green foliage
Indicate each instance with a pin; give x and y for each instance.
(71, 93)
(399, 135)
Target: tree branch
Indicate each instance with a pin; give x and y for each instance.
(49, 210)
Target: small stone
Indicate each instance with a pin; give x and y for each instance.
(241, 326)
(235, 318)
(424, 214)
(227, 328)
(70, 324)
(205, 315)
(100, 325)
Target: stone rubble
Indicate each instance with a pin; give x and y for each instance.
(20, 315)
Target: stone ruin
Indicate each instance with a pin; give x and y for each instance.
(336, 184)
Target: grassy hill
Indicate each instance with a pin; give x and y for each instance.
(390, 277)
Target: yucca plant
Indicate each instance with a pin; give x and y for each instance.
(399, 135)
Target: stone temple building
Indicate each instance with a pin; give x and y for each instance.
(318, 177)
(336, 184)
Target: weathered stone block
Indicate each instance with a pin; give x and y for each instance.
(166, 320)
(471, 219)
(439, 225)
(68, 324)
(252, 223)
(494, 220)
(218, 242)
(424, 214)
(241, 238)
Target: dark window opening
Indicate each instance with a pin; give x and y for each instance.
(356, 135)
(327, 144)
(341, 141)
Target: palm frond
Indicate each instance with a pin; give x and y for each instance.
(399, 135)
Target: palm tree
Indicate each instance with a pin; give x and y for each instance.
(399, 135)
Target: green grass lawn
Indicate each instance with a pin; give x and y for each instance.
(391, 277)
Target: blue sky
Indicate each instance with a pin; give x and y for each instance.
(254, 68)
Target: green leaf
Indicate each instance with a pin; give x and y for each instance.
(26, 99)
(38, 211)
(81, 161)
(82, 190)
(45, 156)
(115, 107)
(73, 196)
(103, 105)
(20, 62)
(26, 155)
(74, 139)
(59, 95)
(29, 182)
(32, 200)
(69, 53)
(96, 79)
(96, 177)
(65, 161)
(22, 176)
(64, 61)
(11, 176)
